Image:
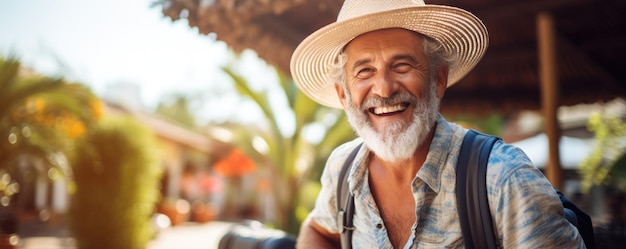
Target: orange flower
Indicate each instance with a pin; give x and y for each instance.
(39, 105)
(97, 108)
(235, 164)
(73, 128)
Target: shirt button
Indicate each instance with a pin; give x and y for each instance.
(379, 226)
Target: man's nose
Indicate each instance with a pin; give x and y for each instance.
(384, 85)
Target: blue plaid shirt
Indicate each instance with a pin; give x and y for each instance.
(526, 209)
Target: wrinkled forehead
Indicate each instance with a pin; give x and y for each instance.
(395, 33)
(385, 44)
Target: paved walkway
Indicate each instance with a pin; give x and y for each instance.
(205, 236)
(187, 236)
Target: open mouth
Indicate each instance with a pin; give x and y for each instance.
(389, 110)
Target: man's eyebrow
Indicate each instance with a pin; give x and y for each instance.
(359, 63)
(408, 57)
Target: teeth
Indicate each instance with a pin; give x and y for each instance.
(389, 109)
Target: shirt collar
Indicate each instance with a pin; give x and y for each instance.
(432, 168)
(437, 156)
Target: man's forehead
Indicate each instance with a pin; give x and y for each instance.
(394, 43)
(389, 37)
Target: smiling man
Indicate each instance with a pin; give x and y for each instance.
(388, 64)
(388, 95)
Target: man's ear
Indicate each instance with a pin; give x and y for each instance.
(341, 94)
(441, 79)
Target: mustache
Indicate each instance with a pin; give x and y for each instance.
(396, 98)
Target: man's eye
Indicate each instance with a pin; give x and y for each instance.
(365, 73)
(402, 67)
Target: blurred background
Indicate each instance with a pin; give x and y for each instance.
(160, 123)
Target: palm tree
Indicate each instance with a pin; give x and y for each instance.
(40, 116)
(291, 159)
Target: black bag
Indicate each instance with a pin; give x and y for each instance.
(253, 235)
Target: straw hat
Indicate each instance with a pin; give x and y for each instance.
(458, 30)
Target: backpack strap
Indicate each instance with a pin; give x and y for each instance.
(471, 191)
(345, 202)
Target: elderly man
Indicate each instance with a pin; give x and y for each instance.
(388, 64)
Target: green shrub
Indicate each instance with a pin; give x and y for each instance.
(116, 174)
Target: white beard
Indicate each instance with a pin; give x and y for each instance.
(398, 141)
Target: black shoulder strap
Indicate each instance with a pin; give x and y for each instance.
(471, 191)
(345, 202)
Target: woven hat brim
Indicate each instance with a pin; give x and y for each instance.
(458, 30)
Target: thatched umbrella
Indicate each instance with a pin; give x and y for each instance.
(542, 54)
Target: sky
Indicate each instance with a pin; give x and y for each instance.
(104, 43)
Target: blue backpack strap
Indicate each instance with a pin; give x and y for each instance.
(345, 202)
(471, 191)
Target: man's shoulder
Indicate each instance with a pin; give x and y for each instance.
(339, 155)
(506, 159)
(509, 154)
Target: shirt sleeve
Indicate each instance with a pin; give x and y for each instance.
(325, 211)
(529, 213)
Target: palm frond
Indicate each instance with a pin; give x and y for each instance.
(9, 70)
(305, 109)
(339, 132)
(289, 87)
(17, 95)
(261, 101)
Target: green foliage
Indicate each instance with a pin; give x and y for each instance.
(40, 116)
(116, 173)
(606, 163)
(291, 159)
(178, 108)
(308, 194)
(490, 124)
(618, 172)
